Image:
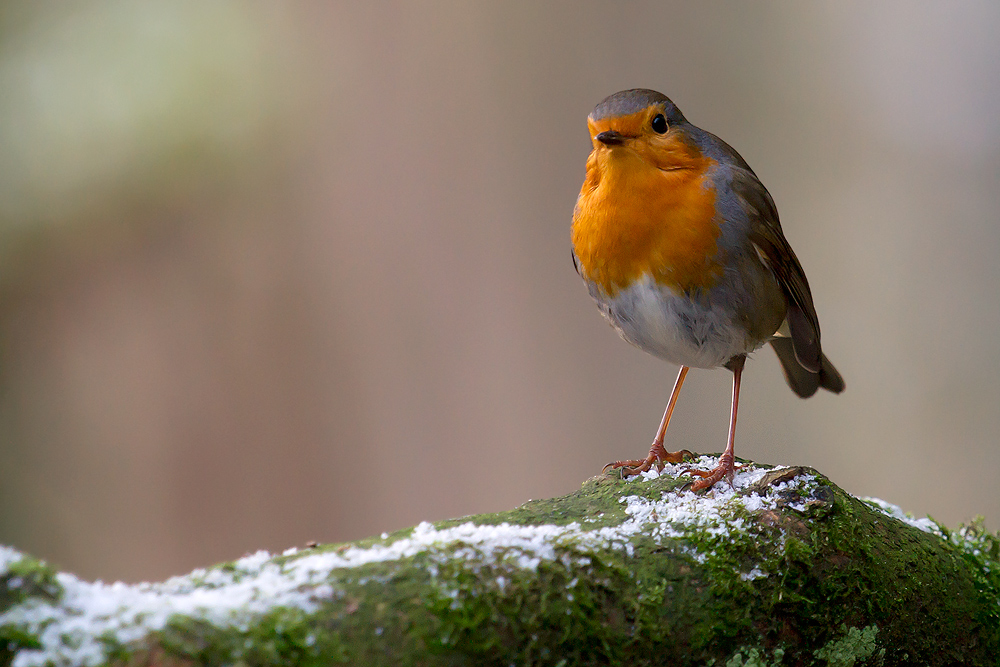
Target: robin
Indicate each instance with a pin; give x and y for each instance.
(680, 246)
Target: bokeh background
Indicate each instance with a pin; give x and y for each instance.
(272, 273)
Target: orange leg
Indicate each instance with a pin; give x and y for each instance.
(726, 465)
(657, 454)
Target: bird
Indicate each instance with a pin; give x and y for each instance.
(679, 244)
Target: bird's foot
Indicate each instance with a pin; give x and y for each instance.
(658, 457)
(726, 468)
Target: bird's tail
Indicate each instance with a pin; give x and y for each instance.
(804, 382)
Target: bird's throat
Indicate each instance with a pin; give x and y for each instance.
(633, 219)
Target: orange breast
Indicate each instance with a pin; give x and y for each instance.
(634, 219)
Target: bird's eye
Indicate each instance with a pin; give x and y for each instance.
(659, 124)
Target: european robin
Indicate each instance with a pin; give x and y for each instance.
(680, 246)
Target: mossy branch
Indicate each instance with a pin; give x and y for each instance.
(785, 568)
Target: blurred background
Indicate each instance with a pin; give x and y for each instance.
(272, 273)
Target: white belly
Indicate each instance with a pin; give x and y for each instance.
(680, 329)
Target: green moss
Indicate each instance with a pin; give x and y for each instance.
(816, 575)
(856, 645)
(25, 579)
(753, 658)
(283, 637)
(825, 567)
(596, 505)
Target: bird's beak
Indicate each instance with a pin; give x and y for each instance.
(610, 138)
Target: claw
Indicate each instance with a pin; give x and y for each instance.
(708, 478)
(658, 457)
(628, 465)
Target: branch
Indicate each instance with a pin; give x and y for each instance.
(785, 568)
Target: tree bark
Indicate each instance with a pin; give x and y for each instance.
(783, 568)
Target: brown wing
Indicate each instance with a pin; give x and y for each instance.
(774, 251)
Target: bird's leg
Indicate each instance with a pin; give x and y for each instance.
(657, 454)
(726, 465)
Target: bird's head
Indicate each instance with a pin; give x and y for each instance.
(641, 123)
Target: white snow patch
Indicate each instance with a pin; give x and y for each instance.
(714, 511)
(926, 524)
(8, 557)
(755, 573)
(235, 595)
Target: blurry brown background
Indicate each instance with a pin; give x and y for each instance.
(280, 272)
